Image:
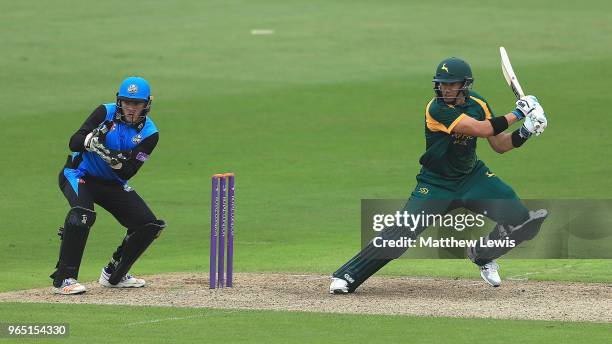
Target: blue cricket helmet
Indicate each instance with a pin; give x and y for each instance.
(135, 89)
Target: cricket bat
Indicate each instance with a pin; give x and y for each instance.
(509, 74)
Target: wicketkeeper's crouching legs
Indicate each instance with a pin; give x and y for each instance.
(74, 237)
(134, 244)
(143, 227)
(74, 232)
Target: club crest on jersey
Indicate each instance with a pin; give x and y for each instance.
(136, 139)
(444, 68)
(132, 89)
(461, 139)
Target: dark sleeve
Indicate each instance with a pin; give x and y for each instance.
(137, 157)
(77, 140)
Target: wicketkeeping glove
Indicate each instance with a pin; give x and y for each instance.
(98, 136)
(112, 157)
(94, 142)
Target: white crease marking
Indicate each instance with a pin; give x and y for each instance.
(145, 322)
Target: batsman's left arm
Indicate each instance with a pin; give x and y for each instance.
(501, 143)
(528, 108)
(535, 123)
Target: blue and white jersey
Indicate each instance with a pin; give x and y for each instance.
(120, 137)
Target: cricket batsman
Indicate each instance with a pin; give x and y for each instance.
(453, 177)
(107, 150)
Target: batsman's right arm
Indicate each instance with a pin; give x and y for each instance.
(487, 128)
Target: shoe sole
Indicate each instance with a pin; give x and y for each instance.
(108, 285)
(59, 292)
(339, 292)
(121, 286)
(104, 283)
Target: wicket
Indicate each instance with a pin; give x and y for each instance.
(220, 215)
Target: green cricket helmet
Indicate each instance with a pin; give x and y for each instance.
(452, 70)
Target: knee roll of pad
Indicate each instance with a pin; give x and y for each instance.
(157, 226)
(80, 217)
(530, 228)
(520, 233)
(153, 228)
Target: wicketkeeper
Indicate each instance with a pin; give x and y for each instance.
(452, 176)
(108, 150)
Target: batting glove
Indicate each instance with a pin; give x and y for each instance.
(524, 106)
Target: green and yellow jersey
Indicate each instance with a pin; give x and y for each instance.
(451, 156)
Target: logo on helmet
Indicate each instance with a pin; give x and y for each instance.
(132, 89)
(444, 68)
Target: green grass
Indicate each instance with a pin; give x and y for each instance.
(323, 113)
(119, 324)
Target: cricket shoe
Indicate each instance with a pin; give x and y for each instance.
(489, 273)
(338, 286)
(127, 281)
(70, 286)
